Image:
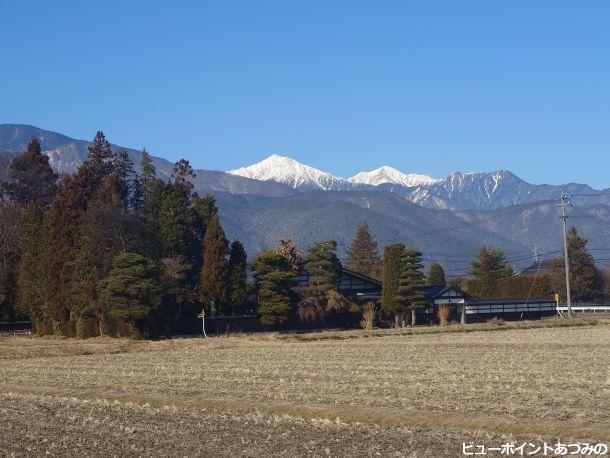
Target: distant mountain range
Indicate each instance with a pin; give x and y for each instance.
(464, 191)
(448, 219)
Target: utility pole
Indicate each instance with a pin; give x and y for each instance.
(564, 201)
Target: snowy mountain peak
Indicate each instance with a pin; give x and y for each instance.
(286, 170)
(390, 175)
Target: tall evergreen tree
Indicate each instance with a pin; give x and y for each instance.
(274, 282)
(106, 230)
(585, 279)
(127, 178)
(436, 275)
(363, 254)
(148, 176)
(34, 292)
(324, 269)
(65, 218)
(203, 211)
(99, 159)
(486, 269)
(31, 178)
(393, 258)
(11, 227)
(237, 278)
(215, 270)
(132, 289)
(182, 174)
(410, 294)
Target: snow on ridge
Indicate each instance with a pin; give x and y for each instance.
(387, 174)
(286, 170)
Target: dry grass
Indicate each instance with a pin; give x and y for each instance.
(396, 394)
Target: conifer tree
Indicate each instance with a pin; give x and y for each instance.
(34, 287)
(106, 230)
(363, 253)
(274, 282)
(215, 270)
(31, 178)
(585, 279)
(11, 227)
(99, 159)
(324, 269)
(149, 174)
(174, 220)
(132, 289)
(182, 174)
(436, 275)
(486, 269)
(237, 278)
(410, 294)
(393, 258)
(125, 171)
(65, 217)
(203, 210)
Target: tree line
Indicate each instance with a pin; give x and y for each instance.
(112, 251)
(107, 250)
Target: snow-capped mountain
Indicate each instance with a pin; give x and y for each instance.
(465, 191)
(389, 175)
(286, 170)
(279, 176)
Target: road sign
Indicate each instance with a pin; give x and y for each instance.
(556, 297)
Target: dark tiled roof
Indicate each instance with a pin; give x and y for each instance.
(539, 267)
(434, 291)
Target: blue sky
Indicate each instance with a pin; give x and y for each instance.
(428, 86)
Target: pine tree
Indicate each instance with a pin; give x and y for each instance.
(99, 159)
(132, 289)
(125, 171)
(149, 174)
(65, 218)
(238, 280)
(363, 254)
(585, 279)
(106, 230)
(274, 282)
(178, 291)
(174, 220)
(34, 288)
(324, 269)
(436, 275)
(203, 210)
(182, 174)
(11, 227)
(215, 270)
(31, 178)
(410, 294)
(488, 267)
(393, 258)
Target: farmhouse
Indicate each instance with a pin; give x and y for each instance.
(465, 307)
(352, 284)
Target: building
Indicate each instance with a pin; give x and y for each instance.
(465, 307)
(539, 267)
(352, 283)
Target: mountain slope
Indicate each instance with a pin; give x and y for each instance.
(285, 170)
(487, 191)
(450, 237)
(391, 176)
(67, 154)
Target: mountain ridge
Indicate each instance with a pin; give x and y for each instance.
(447, 219)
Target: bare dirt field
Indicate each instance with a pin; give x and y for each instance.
(338, 394)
